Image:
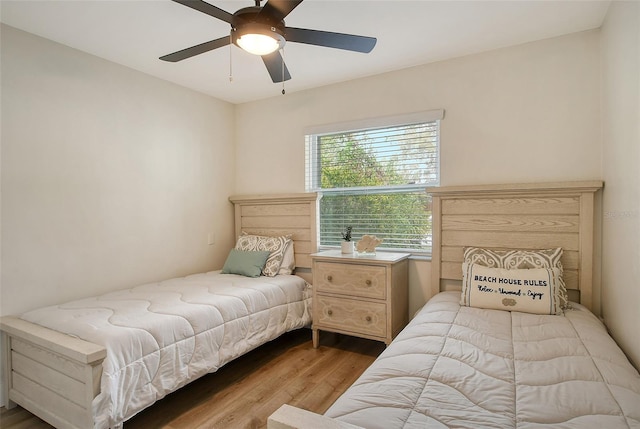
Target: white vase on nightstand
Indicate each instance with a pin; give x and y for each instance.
(347, 246)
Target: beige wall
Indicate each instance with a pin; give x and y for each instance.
(529, 112)
(621, 172)
(519, 114)
(110, 177)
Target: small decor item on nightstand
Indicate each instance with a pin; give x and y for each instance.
(347, 244)
(368, 244)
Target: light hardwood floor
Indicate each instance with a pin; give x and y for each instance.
(243, 393)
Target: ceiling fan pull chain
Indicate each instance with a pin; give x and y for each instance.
(282, 49)
(230, 59)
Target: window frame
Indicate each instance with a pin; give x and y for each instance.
(313, 168)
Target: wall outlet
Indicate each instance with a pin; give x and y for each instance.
(211, 239)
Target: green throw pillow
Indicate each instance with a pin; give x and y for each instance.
(247, 263)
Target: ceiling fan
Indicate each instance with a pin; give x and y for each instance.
(262, 31)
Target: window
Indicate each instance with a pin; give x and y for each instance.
(372, 177)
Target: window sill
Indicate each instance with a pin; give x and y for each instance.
(418, 256)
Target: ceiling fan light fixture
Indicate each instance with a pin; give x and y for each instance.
(258, 44)
(258, 39)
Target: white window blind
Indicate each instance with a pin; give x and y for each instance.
(373, 179)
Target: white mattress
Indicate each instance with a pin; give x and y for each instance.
(463, 367)
(163, 335)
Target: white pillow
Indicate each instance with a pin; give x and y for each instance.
(532, 290)
(288, 260)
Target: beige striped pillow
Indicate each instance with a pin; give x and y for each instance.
(276, 245)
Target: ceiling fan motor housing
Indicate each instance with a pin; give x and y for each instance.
(248, 20)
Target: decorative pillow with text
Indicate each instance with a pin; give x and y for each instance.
(529, 290)
(514, 259)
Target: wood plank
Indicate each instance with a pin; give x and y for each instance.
(456, 254)
(303, 246)
(571, 279)
(5, 357)
(306, 197)
(93, 378)
(547, 188)
(297, 234)
(516, 223)
(526, 240)
(303, 260)
(229, 408)
(574, 295)
(272, 222)
(51, 360)
(66, 345)
(400, 297)
(288, 417)
(55, 381)
(276, 210)
(451, 270)
(452, 254)
(587, 253)
(346, 360)
(61, 412)
(506, 205)
(436, 237)
(292, 384)
(286, 381)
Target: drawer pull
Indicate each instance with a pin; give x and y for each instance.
(368, 318)
(329, 278)
(330, 312)
(368, 282)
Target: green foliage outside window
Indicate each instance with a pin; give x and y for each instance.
(375, 190)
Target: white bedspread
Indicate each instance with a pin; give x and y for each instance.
(463, 367)
(163, 335)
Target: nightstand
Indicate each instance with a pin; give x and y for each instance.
(361, 295)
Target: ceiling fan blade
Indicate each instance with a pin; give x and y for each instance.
(276, 67)
(349, 42)
(196, 50)
(207, 8)
(279, 9)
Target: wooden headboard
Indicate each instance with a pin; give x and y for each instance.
(284, 214)
(522, 216)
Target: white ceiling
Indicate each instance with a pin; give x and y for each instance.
(409, 33)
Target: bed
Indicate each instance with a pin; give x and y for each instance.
(457, 364)
(96, 362)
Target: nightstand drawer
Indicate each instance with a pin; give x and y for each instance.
(350, 315)
(351, 279)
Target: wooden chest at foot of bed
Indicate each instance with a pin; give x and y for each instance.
(51, 368)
